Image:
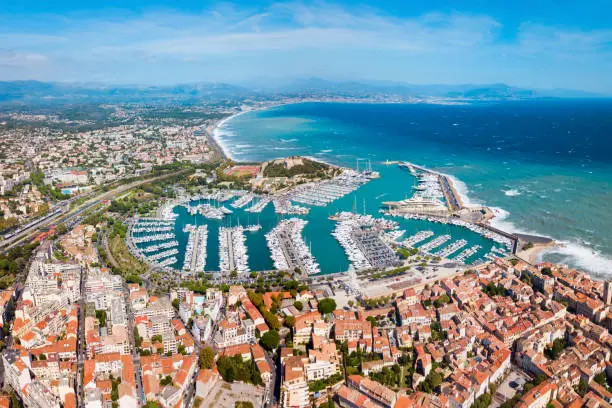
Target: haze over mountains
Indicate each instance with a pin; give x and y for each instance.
(33, 91)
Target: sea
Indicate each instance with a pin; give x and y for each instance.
(544, 166)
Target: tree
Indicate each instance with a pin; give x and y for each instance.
(167, 380)
(271, 320)
(327, 305)
(554, 352)
(175, 303)
(372, 321)
(61, 229)
(101, 316)
(298, 305)
(290, 322)
(230, 374)
(581, 388)
(270, 340)
(546, 271)
(255, 298)
(207, 358)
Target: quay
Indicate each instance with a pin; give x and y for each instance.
(450, 195)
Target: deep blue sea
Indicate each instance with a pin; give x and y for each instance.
(545, 166)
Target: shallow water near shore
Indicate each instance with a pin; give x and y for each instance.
(545, 165)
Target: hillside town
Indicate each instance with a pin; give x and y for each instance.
(501, 334)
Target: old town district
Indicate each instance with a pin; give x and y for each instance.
(502, 334)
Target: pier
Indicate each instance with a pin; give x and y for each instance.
(288, 249)
(450, 195)
(232, 250)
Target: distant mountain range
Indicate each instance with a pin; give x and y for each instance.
(36, 91)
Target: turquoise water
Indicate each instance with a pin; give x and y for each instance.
(545, 166)
(317, 232)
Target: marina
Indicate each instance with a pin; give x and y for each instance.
(195, 252)
(332, 235)
(232, 250)
(466, 253)
(325, 192)
(151, 238)
(288, 249)
(157, 247)
(243, 201)
(163, 254)
(154, 228)
(258, 206)
(452, 248)
(284, 206)
(435, 243)
(418, 237)
(359, 235)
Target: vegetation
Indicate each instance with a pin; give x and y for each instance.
(207, 358)
(235, 369)
(581, 388)
(554, 352)
(326, 306)
(483, 401)
(101, 316)
(37, 177)
(406, 253)
(327, 382)
(436, 331)
(289, 322)
(431, 382)
(244, 404)
(441, 301)
(270, 340)
(390, 273)
(124, 262)
(14, 263)
(270, 319)
(309, 167)
(495, 290)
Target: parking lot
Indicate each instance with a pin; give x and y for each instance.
(514, 382)
(225, 395)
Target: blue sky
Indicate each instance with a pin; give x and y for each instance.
(537, 44)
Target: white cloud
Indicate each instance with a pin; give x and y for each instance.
(18, 59)
(325, 37)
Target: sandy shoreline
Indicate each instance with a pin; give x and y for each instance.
(532, 255)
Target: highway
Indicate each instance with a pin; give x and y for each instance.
(70, 217)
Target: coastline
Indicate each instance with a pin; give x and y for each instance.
(559, 249)
(213, 128)
(459, 187)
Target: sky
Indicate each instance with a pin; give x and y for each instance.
(540, 44)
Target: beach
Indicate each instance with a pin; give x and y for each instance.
(543, 179)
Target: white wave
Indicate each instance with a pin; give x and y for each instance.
(512, 193)
(284, 148)
(243, 146)
(327, 150)
(582, 257)
(462, 189)
(501, 222)
(288, 140)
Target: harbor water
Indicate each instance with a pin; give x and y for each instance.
(545, 166)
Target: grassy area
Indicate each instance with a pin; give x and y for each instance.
(126, 262)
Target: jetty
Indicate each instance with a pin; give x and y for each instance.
(288, 249)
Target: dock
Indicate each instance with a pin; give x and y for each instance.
(450, 195)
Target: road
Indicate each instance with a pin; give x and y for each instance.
(270, 394)
(135, 353)
(69, 216)
(81, 346)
